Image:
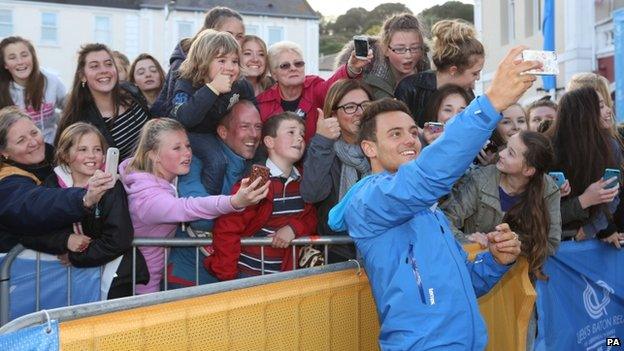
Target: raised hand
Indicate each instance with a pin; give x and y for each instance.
(327, 127)
(222, 82)
(98, 184)
(248, 195)
(509, 82)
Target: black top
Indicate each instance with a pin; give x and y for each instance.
(415, 91)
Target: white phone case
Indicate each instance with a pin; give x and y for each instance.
(112, 160)
(550, 65)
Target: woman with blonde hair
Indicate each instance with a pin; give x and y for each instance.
(399, 50)
(150, 179)
(254, 63)
(28, 209)
(103, 236)
(458, 57)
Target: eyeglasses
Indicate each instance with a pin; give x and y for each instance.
(350, 107)
(403, 50)
(286, 65)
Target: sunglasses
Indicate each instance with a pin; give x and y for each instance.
(286, 65)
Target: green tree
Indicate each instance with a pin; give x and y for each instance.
(450, 9)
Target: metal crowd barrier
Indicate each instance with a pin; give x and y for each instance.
(69, 313)
(5, 269)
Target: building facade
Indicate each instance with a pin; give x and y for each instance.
(59, 28)
(583, 36)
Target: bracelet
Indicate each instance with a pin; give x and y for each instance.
(354, 73)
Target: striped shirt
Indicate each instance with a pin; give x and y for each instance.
(125, 129)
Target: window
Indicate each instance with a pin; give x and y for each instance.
(511, 16)
(529, 17)
(185, 30)
(275, 34)
(507, 17)
(252, 30)
(49, 28)
(103, 32)
(6, 23)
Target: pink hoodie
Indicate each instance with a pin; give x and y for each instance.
(156, 211)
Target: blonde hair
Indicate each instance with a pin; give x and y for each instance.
(404, 22)
(265, 83)
(281, 47)
(208, 46)
(455, 43)
(592, 80)
(149, 140)
(70, 137)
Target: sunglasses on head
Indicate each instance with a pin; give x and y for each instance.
(286, 65)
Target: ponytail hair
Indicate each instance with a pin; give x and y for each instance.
(455, 43)
(149, 140)
(530, 218)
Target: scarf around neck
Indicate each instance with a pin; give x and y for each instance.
(353, 162)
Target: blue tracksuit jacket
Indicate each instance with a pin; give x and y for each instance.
(424, 287)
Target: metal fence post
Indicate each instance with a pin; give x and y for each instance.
(5, 283)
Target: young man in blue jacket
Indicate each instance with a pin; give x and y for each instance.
(424, 287)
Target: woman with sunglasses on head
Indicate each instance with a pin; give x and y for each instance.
(398, 52)
(458, 57)
(297, 92)
(334, 160)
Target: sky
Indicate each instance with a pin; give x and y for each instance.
(335, 8)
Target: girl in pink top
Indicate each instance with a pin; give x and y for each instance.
(163, 153)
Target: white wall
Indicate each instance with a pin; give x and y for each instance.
(137, 31)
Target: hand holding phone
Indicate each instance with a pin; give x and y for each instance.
(558, 177)
(435, 127)
(611, 173)
(259, 171)
(360, 43)
(112, 161)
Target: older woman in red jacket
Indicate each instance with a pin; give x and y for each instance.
(297, 92)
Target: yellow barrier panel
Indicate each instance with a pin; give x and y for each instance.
(322, 312)
(327, 311)
(507, 307)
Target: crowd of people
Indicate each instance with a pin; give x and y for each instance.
(382, 150)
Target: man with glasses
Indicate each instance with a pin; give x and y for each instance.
(297, 92)
(334, 160)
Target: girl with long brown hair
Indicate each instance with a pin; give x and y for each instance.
(584, 148)
(516, 191)
(24, 84)
(117, 110)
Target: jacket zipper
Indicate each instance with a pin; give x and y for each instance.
(410, 259)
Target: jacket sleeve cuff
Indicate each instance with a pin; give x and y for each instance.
(489, 260)
(322, 141)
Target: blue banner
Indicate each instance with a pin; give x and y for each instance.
(44, 337)
(582, 302)
(54, 279)
(618, 57)
(548, 30)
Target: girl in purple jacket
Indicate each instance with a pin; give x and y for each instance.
(150, 177)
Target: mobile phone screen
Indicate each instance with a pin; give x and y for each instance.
(361, 47)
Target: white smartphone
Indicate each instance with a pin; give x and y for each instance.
(550, 65)
(112, 161)
(361, 46)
